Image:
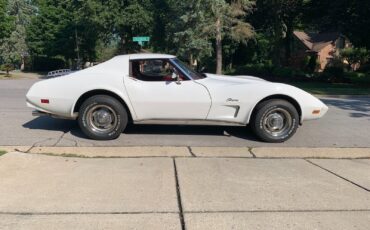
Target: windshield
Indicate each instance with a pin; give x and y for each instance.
(188, 70)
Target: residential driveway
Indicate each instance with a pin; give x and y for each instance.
(185, 192)
(345, 125)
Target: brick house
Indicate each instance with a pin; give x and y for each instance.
(323, 47)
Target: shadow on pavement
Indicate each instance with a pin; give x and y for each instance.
(53, 124)
(359, 107)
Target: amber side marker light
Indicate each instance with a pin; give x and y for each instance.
(44, 101)
(316, 112)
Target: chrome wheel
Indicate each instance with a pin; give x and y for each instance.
(102, 119)
(277, 122)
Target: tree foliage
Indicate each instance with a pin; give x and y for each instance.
(351, 18)
(214, 20)
(5, 20)
(355, 56)
(14, 49)
(217, 33)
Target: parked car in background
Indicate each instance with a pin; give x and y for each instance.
(58, 73)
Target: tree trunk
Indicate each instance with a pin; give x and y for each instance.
(218, 47)
(288, 42)
(77, 50)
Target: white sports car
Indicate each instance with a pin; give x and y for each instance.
(160, 89)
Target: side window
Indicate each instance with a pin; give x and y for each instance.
(155, 70)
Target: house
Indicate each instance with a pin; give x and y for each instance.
(322, 47)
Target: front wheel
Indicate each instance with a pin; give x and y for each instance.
(275, 121)
(102, 117)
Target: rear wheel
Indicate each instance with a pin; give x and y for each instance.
(102, 117)
(275, 121)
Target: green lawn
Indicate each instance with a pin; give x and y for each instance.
(2, 152)
(333, 89)
(20, 75)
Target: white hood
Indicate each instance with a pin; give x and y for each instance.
(240, 79)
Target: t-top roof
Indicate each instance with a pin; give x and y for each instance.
(149, 56)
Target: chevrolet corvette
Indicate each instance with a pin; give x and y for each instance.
(160, 89)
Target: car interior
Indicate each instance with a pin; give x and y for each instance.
(155, 70)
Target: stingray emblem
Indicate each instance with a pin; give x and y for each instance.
(232, 100)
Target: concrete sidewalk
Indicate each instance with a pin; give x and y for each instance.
(184, 188)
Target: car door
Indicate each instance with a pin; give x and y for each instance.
(159, 90)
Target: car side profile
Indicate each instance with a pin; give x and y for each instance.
(160, 89)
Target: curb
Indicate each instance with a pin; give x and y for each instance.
(193, 152)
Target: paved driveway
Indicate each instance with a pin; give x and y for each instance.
(346, 125)
(194, 193)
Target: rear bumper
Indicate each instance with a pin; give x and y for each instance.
(37, 113)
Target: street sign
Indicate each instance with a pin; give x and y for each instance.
(141, 40)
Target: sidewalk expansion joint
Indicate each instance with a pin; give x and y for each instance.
(250, 150)
(178, 193)
(339, 176)
(191, 151)
(34, 145)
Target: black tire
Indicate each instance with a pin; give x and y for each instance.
(275, 121)
(102, 117)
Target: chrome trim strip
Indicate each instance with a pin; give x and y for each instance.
(187, 122)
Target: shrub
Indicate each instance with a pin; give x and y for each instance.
(355, 56)
(269, 72)
(365, 68)
(47, 63)
(333, 74)
(7, 67)
(258, 70)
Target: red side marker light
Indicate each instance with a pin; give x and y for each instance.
(44, 101)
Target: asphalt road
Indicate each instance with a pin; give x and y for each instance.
(347, 124)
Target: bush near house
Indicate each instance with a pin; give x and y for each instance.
(272, 73)
(332, 74)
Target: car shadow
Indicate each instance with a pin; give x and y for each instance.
(358, 107)
(53, 124)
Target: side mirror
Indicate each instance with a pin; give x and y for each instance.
(176, 76)
(201, 70)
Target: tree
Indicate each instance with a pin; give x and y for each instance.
(14, 48)
(125, 19)
(192, 42)
(64, 28)
(277, 19)
(5, 20)
(350, 18)
(208, 20)
(227, 20)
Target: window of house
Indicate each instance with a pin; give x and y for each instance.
(155, 70)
